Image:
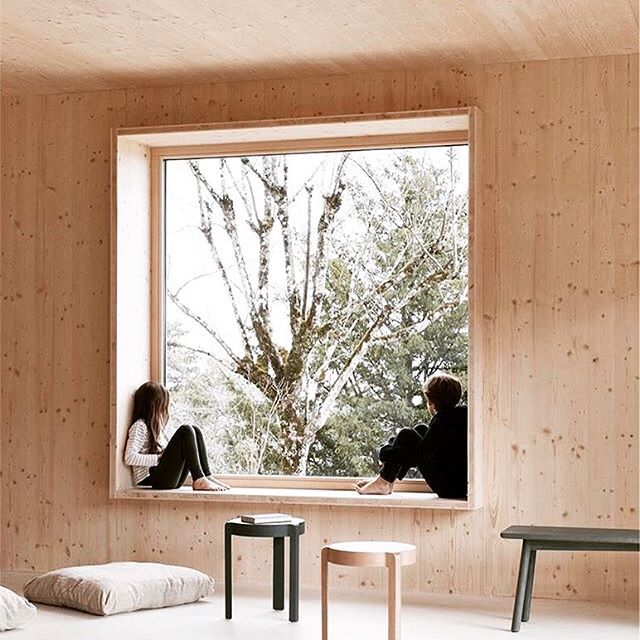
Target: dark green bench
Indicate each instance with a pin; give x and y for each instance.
(536, 539)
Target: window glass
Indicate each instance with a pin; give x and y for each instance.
(308, 297)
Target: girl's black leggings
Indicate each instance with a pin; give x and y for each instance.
(184, 454)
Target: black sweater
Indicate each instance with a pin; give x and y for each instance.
(441, 455)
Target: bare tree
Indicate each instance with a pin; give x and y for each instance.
(341, 296)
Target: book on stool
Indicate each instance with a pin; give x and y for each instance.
(265, 518)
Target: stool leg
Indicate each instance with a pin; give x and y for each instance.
(278, 574)
(529, 589)
(518, 605)
(294, 577)
(228, 586)
(324, 563)
(394, 595)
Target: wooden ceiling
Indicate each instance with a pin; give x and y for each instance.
(51, 46)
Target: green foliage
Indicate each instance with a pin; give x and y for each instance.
(197, 397)
(348, 444)
(253, 434)
(417, 200)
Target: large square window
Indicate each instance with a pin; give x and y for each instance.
(294, 283)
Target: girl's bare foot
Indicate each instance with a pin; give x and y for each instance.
(204, 484)
(219, 482)
(377, 487)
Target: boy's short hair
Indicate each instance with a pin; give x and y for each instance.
(443, 390)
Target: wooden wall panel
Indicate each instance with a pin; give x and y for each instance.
(21, 243)
(559, 242)
(555, 138)
(133, 299)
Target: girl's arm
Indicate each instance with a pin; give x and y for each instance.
(136, 442)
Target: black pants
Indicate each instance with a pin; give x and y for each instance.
(397, 470)
(184, 454)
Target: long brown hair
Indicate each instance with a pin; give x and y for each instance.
(151, 404)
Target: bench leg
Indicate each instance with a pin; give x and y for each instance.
(228, 586)
(529, 589)
(278, 574)
(294, 577)
(324, 563)
(518, 605)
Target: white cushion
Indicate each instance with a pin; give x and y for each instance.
(15, 611)
(119, 586)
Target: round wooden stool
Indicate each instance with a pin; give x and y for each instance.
(393, 555)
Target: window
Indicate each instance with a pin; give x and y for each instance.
(308, 296)
(301, 281)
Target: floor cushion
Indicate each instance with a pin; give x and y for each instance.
(15, 611)
(119, 586)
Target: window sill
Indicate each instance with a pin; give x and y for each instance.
(275, 496)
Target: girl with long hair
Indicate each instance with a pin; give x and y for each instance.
(160, 462)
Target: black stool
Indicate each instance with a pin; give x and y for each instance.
(278, 531)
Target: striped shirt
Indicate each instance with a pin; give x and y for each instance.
(136, 453)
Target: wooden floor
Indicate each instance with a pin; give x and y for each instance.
(362, 618)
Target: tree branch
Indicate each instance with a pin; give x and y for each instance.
(429, 319)
(249, 206)
(189, 281)
(331, 206)
(204, 324)
(307, 255)
(262, 331)
(205, 215)
(178, 345)
(278, 193)
(225, 203)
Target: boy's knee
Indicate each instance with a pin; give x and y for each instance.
(406, 435)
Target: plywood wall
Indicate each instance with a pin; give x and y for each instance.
(560, 307)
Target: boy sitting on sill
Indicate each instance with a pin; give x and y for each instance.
(438, 450)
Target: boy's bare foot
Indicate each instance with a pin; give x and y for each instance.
(219, 482)
(204, 484)
(377, 487)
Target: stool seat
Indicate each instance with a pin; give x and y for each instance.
(369, 553)
(266, 529)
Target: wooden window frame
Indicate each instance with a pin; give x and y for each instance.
(146, 148)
